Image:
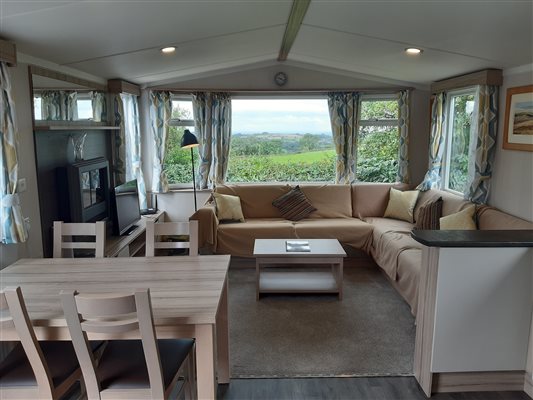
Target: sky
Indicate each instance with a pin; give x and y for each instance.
(280, 116)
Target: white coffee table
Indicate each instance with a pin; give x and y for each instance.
(324, 252)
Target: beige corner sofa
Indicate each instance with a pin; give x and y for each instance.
(353, 214)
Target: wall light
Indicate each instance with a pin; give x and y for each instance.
(413, 50)
(168, 50)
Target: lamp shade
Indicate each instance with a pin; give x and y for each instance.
(188, 140)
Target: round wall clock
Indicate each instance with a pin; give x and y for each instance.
(280, 78)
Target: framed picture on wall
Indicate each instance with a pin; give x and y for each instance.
(518, 128)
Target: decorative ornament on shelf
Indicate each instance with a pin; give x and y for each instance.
(280, 78)
(77, 145)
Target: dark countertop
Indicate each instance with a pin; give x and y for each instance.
(488, 238)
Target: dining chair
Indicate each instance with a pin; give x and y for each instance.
(155, 231)
(128, 369)
(33, 369)
(62, 230)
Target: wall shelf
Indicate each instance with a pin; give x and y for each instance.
(75, 127)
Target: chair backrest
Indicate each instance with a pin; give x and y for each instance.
(154, 231)
(11, 301)
(112, 314)
(96, 229)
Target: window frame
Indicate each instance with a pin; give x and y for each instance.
(184, 123)
(282, 96)
(377, 122)
(84, 96)
(177, 121)
(448, 131)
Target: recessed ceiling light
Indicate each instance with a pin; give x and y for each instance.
(413, 50)
(168, 50)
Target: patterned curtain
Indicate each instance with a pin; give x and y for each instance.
(343, 109)
(212, 123)
(128, 143)
(119, 164)
(436, 144)
(484, 137)
(59, 105)
(403, 127)
(14, 227)
(160, 114)
(99, 106)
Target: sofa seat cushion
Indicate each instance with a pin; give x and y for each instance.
(390, 238)
(408, 276)
(349, 231)
(238, 238)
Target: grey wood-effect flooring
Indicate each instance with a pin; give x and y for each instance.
(379, 388)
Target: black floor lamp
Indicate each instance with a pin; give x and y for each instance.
(188, 141)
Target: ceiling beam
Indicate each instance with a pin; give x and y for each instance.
(298, 10)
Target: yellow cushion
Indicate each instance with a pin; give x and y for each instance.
(401, 204)
(463, 220)
(228, 207)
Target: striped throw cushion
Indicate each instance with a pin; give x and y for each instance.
(294, 205)
(429, 215)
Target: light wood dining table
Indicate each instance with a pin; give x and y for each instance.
(189, 299)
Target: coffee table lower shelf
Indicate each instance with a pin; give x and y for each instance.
(297, 282)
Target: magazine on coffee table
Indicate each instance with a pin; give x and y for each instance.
(297, 246)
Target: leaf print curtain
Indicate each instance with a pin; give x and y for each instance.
(403, 127)
(433, 178)
(484, 141)
(128, 143)
(160, 114)
(212, 122)
(343, 109)
(14, 228)
(59, 105)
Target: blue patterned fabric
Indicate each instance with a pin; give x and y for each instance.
(485, 130)
(212, 124)
(99, 106)
(59, 105)
(432, 179)
(14, 228)
(343, 116)
(160, 114)
(128, 151)
(403, 127)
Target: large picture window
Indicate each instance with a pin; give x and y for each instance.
(458, 139)
(290, 140)
(281, 140)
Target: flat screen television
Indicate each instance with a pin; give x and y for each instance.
(127, 211)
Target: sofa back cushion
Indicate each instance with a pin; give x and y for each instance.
(371, 199)
(330, 201)
(491, 218)
(256, 200)
(452, 203)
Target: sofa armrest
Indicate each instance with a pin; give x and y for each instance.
(207, 226)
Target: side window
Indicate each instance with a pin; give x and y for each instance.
(177, 160)
(458, 139)
(85, 108)
(378, 139)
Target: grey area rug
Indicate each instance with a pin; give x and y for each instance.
(371, 332)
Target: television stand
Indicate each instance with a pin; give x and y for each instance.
(130, 230)
(132, 243)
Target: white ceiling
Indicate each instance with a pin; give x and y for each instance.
(121, 38)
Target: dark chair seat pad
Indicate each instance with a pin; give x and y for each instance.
(123, 365)
(16, 370)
